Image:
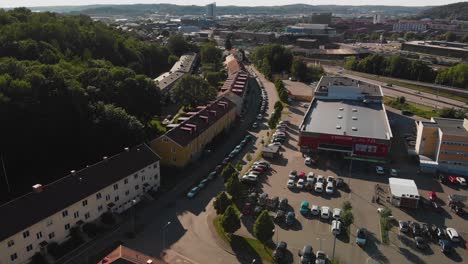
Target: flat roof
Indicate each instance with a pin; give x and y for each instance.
(454, 127)
(440, 45)
(403, 188)
(347, 117)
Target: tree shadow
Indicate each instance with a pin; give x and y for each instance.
(244, 252)
(372, 249)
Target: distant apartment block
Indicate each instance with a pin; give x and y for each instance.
(211, 10)
(410, 26)
(311, 29)
(185, 141)
(31, 222)
(442, 144)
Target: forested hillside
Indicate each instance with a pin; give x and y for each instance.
(453, 11)
(71, 91)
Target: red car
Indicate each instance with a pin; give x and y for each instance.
(258, 168)
(247, 209)
(453, 179)
(432, 196)
(302, 175)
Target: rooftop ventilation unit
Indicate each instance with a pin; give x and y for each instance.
(340, 117)
(354, 128)
(354, 118)
(341, 108)
(338, 127)
(354, 110)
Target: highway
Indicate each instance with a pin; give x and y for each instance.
(421, 98)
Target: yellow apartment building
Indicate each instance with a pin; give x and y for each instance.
(186, 141)
(443, 144)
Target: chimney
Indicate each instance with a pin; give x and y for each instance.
(73, 172)
(104, 158)
(127, 149)
(149, 261)
(37, 188)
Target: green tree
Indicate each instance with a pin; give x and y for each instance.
(450, 36)
(394, 36)
(314, 73)
(230, 220)
(172, 59)
(410, 36)
(346, 206)
(347, 218)
(227, 171)
(228, 44)
(233, 186)
(221, 203)
(193, 90)
(299, 69)
(177, 45)
(464, 39)
(351, 63)
(209, 53)
(450, 112)
(213, 78)
(263, 227)
(279, 106)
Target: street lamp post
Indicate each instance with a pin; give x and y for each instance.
(134, 217)
(334, 244)
(164, 235)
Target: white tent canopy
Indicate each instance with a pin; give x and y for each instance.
(403, 188)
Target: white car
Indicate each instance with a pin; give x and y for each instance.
(320, 178)
(461, 181)
(453, 235)
(393, 172)
(330, 188)
(252, 172)
(259, 117)
(319, 187)
(254, 125)
(315, 210)
(310, 177)
(325, 212)
(262, 163)
(278, 133)
(291, 183)
(336, 227)
(275, 144)
(250, 178)
(379, 170)
(308, 161)
(337, 213)
(330, 179)
(300, 184)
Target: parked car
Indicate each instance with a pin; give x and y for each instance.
(361, 237)
(293, 173)
(319, 187)
(310, 177)
(249, 178)
(403, 226)
(290, 218)
(445, 246)
(308, 161)
(315, 210)
(393, 172)
(203, 183)
(337, 213)
(262, 163)
(425, 230)
(302, 175)
(379, 170)
(212, 175)
(254, 125)
(330, 188)
(336, 227)
(320, 257)
(291, 184)
(461, 181)
(432, 196)
(259, 168)
(247, 209)
(283, 203)
(420, 242)
(279, 216)
(325, 212)
(259, 117)
(280, 251)
(306, 255)
(415, 229)
(330, 179)
(452, 179)
(300, 184)
(275, 144)
(320, 178)
(304, 208)
(193, 192)
(339, 182)
(453, 235)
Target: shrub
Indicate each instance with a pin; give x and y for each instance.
(230, 220)
(221, 203)
(263, 227)
(346, 206)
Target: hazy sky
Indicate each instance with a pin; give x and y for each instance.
(15, 3)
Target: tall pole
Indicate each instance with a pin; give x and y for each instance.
(164, 236)
(134, 217)
(4, 174)
(334, 244)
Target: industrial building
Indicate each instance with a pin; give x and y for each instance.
(346, 116)
(442, 145)
(439, 48)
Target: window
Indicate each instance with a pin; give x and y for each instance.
(127, 192)
(107, 197)
(98, 196)
(142, 171)
(67, 226)
(173, 150)
(155, 166)
(76, 214)
(137, 187)
(116, 186)
(25, 234)
(11, 243)
(85, 202)
(29, 248)
(143, 178)
(39, 235)
(135, 176)
(174, 158)
(87, 215)
(99, 208)
(51, 235)
(165, 139)
(65, 213)
(49, 222)
(13, 257)
(156, 176)
(116, 198)
(125, 181)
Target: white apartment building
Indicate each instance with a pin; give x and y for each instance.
(29, 223)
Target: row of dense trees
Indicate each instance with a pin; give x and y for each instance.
(272, 58)
(305, 73)
(71, 91)
(399, 67)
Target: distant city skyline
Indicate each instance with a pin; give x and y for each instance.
(29, 3)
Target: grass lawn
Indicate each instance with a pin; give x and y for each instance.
(419, 110)
(244, 246)
(384, 228)
(413, 86)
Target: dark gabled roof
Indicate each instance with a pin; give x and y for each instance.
(237, 83)
(191, 128)
(27, 210)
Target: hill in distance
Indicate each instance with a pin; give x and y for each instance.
(457, 11)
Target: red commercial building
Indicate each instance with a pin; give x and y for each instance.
(346, 116)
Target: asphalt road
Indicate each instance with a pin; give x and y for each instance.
(422, 98)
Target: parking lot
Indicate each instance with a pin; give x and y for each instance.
(360, 183)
